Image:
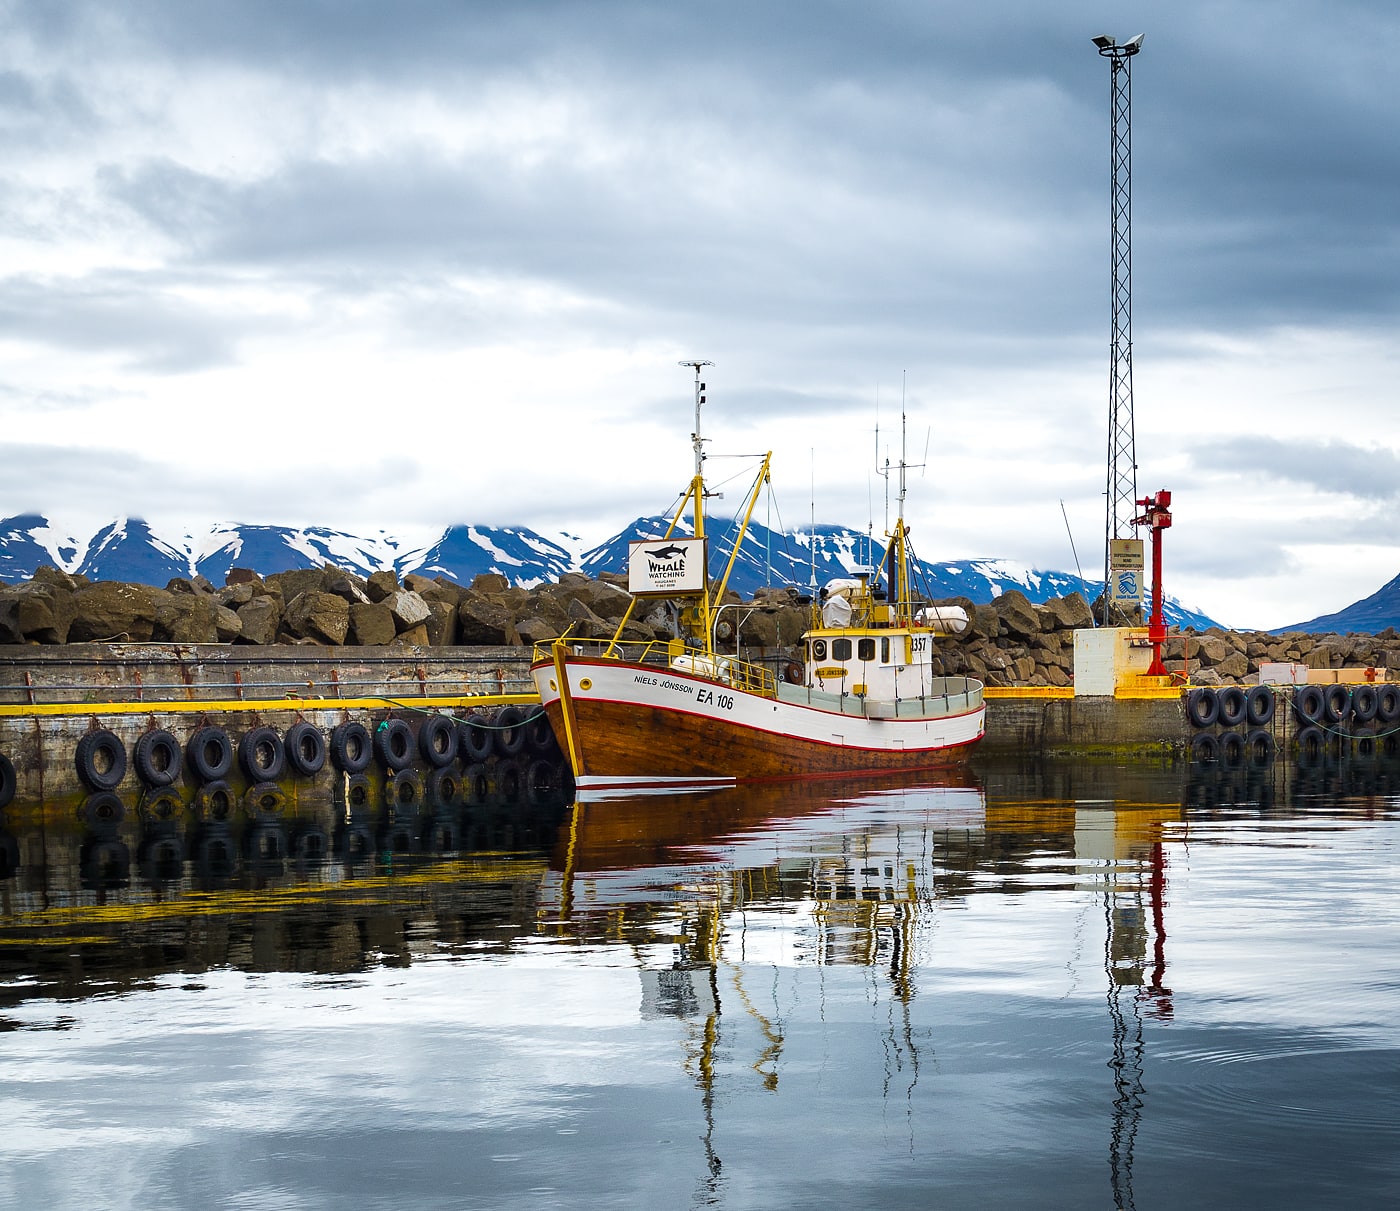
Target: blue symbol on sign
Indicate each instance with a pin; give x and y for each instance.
(1125, 585)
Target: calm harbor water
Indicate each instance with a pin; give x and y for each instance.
(1019, 985)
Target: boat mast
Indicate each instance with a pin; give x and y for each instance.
(897, 554)
(697, 497)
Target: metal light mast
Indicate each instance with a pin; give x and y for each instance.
(1122, 456)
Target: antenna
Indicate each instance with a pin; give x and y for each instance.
(812, 545)
(696, 440)
(1083, 588)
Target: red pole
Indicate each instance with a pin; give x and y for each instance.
(1156, 514)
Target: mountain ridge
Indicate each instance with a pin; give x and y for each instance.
(127, 549)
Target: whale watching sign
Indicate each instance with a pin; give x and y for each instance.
(665, 567)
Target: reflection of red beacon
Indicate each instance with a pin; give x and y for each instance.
(1156, 513)
(1157, 991)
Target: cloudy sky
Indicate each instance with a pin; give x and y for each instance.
(391, 267)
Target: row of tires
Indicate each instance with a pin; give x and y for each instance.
(1230, 706)
(1338, 704)
(265, 756)
(1331, 705)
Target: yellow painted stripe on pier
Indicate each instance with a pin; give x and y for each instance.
(1028, 691)
(219, 705)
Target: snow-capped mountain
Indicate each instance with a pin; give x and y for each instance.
(813, 555)
(128, 550)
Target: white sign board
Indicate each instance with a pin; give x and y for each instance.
(1125, 586)
(1125, 575)
(666, 567)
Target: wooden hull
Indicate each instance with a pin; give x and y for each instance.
(638, 727)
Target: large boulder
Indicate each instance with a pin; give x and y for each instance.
(293, 584)
(317, 615)
(35, 613)
(1068, 613)
(490, 582)
(604, 599)
(1017, 614)
(536, 630)
(381, 584)
(371, 624)
(344, 584)
(408, 608)
(109, 611)
(46, 573)
(259, 620)
(183, 617)
(441, 623)
(482, 622)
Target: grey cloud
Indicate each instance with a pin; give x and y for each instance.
(126, 313)
(1328, 466)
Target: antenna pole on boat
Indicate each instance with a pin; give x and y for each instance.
(697, 491)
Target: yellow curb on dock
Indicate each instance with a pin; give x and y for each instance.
(221, 705)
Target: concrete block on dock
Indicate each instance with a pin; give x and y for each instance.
(1283, 672)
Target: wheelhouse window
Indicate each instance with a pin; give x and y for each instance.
(885, 649)
(840, 649)
(819, 649)
(865, 649)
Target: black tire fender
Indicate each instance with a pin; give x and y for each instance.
(1202, 706)
(8, 781)
(437, 740)
(210, 754)
(444, 788)
(1365, 703)
(351, 747)
(215, 800)
(1259, 705)
(305, 746)
(539, 732)
(473, 740)
(1259, 747)
(354, 791)
(393, 744)
(158, 758)
(1336, 703)
(161, 803)
(1388, 703)
(103, 810)
(100, 760)
(1309, 703)
(509, 734)
(476, 785)
(262, 754)
(1232, 706)
(265, 799)
(403, 792)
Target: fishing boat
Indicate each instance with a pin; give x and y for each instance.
(863, 697)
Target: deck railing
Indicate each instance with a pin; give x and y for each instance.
(671, 654)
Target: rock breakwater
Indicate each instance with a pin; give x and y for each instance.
(1010, 641)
